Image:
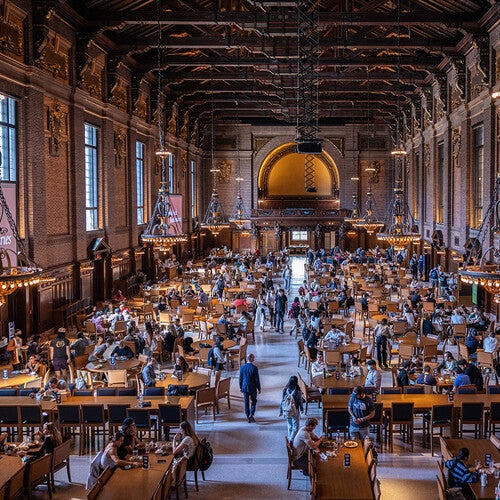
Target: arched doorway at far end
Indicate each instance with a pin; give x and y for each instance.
(282, 180)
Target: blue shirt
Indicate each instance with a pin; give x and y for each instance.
(360, 407)
(459, 473)
(461, 379)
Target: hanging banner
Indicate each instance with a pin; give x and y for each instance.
(7, 238)
(175, 216)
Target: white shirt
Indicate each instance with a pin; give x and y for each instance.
(490, 344)
(318, 368)
(335, 335)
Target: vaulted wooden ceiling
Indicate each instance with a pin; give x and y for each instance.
(374, 55)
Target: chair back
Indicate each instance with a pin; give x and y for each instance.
(154, 391)
(467, 389)
(16, 484)
(81, 361)
(69, 414)
(25, 392)
(127, 391)
(203, 354)
(472, 411)
(223, 387)
(430, 351)
(495, 412)
(105, 475)
(463, 352)
(8, 393)
(92, 414)
(106, 391)
(143, 359)
(441, 414)
(39, 469)
(485, 359)
(205, 396)
(31, 414)
(337, 419)
(82, 392)
(390, 390)
(170, 414)
(117, 378)
(141, 416)
(402, 412)
(412, 389)
(35, 383)
(332, 391)
(117, 413)
(405, 351)
(132, 346)
(60, 454)
(494, 389)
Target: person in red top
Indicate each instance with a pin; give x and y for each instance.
(118, 296)
(240, 301)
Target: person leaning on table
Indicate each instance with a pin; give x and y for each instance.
(304, 441)
(130, 440)
(459, 474)
(361, 409)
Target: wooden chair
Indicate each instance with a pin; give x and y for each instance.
(117, 378)
(144, 423)
(472, 414)
(459, 332)
(223, 389)
(240, 354)
(309, 359)
(180, 477)
(39, 473)
(402, 415)
(93, 424)
(291, 465)
(430, 353)
(440, 417)
(31, 418)
(169, 415)
(60, 459)
(405, 352)
(120, 329)
(310, 394)
(485, 360)
(463, 352)
(205, 398)
(333, 358)
(301, 352)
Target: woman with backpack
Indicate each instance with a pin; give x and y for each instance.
(291, 406)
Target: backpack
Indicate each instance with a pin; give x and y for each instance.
(288, 405)
(211, 358)
(206, 455)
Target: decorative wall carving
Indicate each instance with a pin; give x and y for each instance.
(91, 76)
(185, 127)
(172, 123)
(141, 107)
(11, 31)
(478, 80)
(374, 174)
(225, 169)
(119, 94)
(120, 147)
(457, 87)
(439, 106)
(456, 146)
(427, 157)
(195, 134)
(56, 125)
(53, 57)
(259, 142)
(184, 162)
(338, 142)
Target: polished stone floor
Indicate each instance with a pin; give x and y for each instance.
(250, 459)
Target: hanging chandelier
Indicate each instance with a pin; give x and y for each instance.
(17, 270)
(355, 216)
(215, 220)
(401, 229)
(239, 216)
(369, 223)
(482, 263)
(164, 229)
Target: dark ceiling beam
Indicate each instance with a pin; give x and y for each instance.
(284, 46)
(264, 20)
(145, 62)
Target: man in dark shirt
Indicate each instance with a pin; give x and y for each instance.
(60, 354)
(79, 345)
(281, 308)
(473, 373)
(458, 472)
(130, 441)
(403, 378)
(122, 350)
(362, 411)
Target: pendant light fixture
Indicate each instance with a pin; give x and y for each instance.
(164, 229)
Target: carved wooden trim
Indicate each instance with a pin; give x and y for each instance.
(120, 147)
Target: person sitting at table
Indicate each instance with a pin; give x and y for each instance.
(188, 346)
(34, 347)
(304, 441)
(409, 316)
(373, 377)
(175, 328)
(427, 326)
(354, 370)
(100, 349)
(78, 346)
(118, 296)
(459, 473)
(181, 365)
(335, 335)
(448, 363)
(415, 299)
(33, 365)
(472, 343)
(364, 303)
(53, 386)
(473, 316)
(473, 372)
(115, 316)
(426, 378)
(224, 320)
(111, 455)
(403, 377)
(218, 352)
(319, 367)
(51, 439)
(189, 293)
(122, 350)
(243, 321)
(362, 410)
(490, 342)
(315, 321)
(240, 301)
(185, 443)
(460, 378)
(148, 373)
(130, 439)
(457, 318)
(98, 321)
(3, 439)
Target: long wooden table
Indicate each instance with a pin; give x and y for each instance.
(331, 382)
(105, 365)
(16, 379)
(193, 380)
(478, 449)
(9, 467)
(334, 481)
(136, 482)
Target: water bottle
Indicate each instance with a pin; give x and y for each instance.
(484, 480)
(113, 360)
(6, 374)
(497, 491)
(140, 399)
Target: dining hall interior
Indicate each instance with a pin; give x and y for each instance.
(185, 184)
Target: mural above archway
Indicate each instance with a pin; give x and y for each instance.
(281, 180)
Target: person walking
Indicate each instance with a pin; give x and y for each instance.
(249, 386)
(382, 335)
(281, 308)
(287, 278)
(292, 406)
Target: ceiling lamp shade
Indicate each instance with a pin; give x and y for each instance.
(401, 230)
(215, 220)
(482, 265)
(355, 212)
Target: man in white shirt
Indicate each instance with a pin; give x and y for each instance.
(319, 366)
(304, 441)
(335, 335)
(490, 343)
(373, 377)
(457, 318)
